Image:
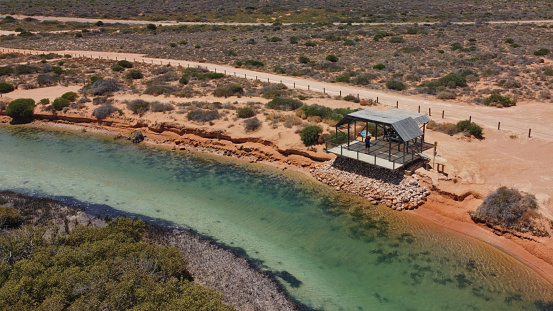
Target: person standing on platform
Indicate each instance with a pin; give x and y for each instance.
(367, 142)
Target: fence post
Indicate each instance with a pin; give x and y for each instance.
(244, 76)
(443, 112)
(429, 112)
(294, 84)
(470, 119)
(529, 132)
(308, 87)
(324, 90)
(268, 80)
(340, 93)
(397, 103)
(419, 108)
(498, 125)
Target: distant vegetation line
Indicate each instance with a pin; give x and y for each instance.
(288, 11)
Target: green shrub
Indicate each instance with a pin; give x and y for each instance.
(396, 85)
(151, 27)
(229, 90)
(182, 42)
(362, 79)
(160, 107)
(509, 40)
(338, 138)
(379, 66)
(125, 64)
(117, 68)
(310, 43)
(294, 40)
(541, 52)
(509, 209)
(60, 103)
(138, 106)
(245, 112)
(282, 103)
(332, 58)
(310, 134)
(304, 59)
(197, 46)
(351, 98)
(397, 40)
(57, 70)
(45, 101)
(469, 127)
(499, 100)
(349, 42)
(446, 95)
(316, 110)
(95, 78)
(26, 69)
(210, 76)
(453, 80)
(20, 109)
(160, 89)
(6, 70)
(275, 39)
(172, 44)
(252, 124)
(102, 87)
(184, 79)
(254, 63)
(9, 217)
(203, 115)
(134, 75)
(6, 88)
(104, 111)
(70, 96)
(279, 70)
(343, 78)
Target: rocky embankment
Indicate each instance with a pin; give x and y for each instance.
(378, 185)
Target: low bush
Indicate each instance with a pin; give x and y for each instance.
(210, 76)
(446, 128)
(499, 100)
(252, 124)
(202, 115)
(134, 75)
(6, 70)
(125, 64)
(184, 79)
(310, 134)
(453, 80)
(396, 85)
(275, 39)
(245, 112)
(104, 111)
(332, 58)
(151, 27)
(282, 103)
(304, 59)
(166, 77)
(272, 90)
(160, 107)
(6, 88)
(102, 87)
(60, 103)
(363, 79)
(20, 109)
(343, 78)
(46, 79)
(446, 95)
(470, 128)
(397, 40)
(509, 209)
(138, 106)
(541, 52)
(70, 96)
(279, 70)
(117, 68)
(229, 90)
(254, 63)
(95, 78)
(26, 69)
(379, 66)
(160, 89)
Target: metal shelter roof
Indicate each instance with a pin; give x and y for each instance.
(405, 123)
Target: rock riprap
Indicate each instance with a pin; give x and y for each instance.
(378, 185)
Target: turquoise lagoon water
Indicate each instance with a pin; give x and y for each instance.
(329, 251)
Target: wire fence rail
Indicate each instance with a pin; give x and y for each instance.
(329, 90)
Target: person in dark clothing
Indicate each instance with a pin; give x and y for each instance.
(367, 143)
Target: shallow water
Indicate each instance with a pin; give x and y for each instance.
(330, 251)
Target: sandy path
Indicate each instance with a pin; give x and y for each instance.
(519, 119)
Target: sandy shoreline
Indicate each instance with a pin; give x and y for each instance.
(531, 253)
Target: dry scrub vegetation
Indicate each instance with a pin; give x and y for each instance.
(468, 63)
(289, 11)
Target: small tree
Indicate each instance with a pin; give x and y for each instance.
(245, 112)
(125, 64)
(396, 85)
(70, 96)
(134, 75)
(6, 88)
(151, 27)
(304, 59)
(310, 134)
(20, 109)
